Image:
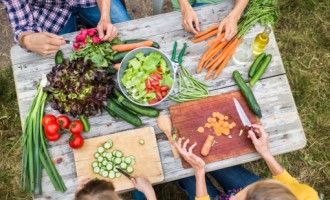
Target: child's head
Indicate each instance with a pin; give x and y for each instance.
(269, 190)
(97, 190)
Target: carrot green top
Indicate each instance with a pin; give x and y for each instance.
(176, 5)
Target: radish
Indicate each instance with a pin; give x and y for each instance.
(91, 32)
(96, 40)
(76, 45)
(84, 32)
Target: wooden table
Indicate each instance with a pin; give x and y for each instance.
(280, 116)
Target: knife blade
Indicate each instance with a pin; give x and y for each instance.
(245, 120)
(68, 42)
(125, 173)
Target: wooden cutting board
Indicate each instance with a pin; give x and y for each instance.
(188, 116)
(147, 156)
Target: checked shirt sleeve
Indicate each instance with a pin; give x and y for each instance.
(20, 16)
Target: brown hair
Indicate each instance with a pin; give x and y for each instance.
(269, 190)
(97, 189)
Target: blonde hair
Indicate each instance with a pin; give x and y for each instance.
(97, 190)
(269, 190)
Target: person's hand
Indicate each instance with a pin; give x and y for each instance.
(143, 185)
(259, 139)
(229, 25)
(105, 26)
(190, 20)
(43, 43)
(196, 162)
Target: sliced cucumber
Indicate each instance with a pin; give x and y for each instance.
(109, 166)
(99, 164)
(141, 141)
(119, 154)
(118, 174)
(128, 160)
(96, 170)
(117, 161)
(112, 174)
(113, 159)
(95, 164)
(114, 152)
(104, 162)
(108, 156)
(115, 168)
(107, 145)
(105, 173)
(96, 155)
(103, 154)
(100, 158)
(122, 159)
(101, 149)
(123, 165)
(129, 169)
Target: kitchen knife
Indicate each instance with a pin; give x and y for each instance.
(245, 120)
(125, 173)
(68, 42)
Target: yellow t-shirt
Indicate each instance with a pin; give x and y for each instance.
(301, 191)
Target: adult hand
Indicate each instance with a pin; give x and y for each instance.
(261, 143)
(229, 26)
(196, 162)
(105, 26)
(190, 20)
(143, 185)
(43, 43)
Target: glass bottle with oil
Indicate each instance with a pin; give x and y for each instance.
(261, 41)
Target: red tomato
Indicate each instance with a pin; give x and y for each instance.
(154, 82)
(53, 137)
(158, 75)
(52, 129)
(76, 141)
(48, 119)
(63, 121)
(154, 77)
(164, 88)
(153, 101)
(159, 69)
(156, 88)
(148, 84)
(76, 127)
(159, 95)
(164, 94)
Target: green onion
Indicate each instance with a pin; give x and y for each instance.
(35, 154)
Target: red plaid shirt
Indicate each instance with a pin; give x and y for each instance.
(41, 15)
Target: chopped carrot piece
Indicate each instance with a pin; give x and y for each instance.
(225, 124)
(207, 125)
(200, 129)
(209, 119)
(226, 131)
(214, 114)
(226, 117)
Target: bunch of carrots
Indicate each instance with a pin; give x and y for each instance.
(219, 52)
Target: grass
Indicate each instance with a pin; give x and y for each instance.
(302, 33)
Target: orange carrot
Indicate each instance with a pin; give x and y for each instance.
(204, 37)
(128, 47)
(222, 56)
(218, 56)
(216, 50)
(212, 28)
(207, 145)
(204, 58)
(116, 66)
(225, 61)
(216, 40)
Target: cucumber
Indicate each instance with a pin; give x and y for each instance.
(112, 174)
(128, 160)
(95, 164)
(129, 169)
(147, 111)
(96, 155)
(128, 117)
(107, 145)
(111, 69)
(123, 107)
(261, 70)
(255, 64)
(119, 56)
(247, 93)
(141, 141)
(100, 158)
(96, 170)
(154, 44)
(101, 149)
(59, 57)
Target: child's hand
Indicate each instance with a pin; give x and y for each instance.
(143, 185)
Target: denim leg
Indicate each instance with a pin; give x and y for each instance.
(137, 195)
(198, 4)
(70, 25)
(189, 186)
(234, 177)
(92, 15)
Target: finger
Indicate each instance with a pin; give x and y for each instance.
(196, 24)
(108, 32)
(114, 34)
(100, 30)
(180, 142)
(220, 30)
(191, 26)
(192, 147)
(53, 35)
(185, 144)
(186, 27)
(56, 42)
(227, 33)
(253, 137)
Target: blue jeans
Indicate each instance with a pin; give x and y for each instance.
(229, 178)
(91, 16)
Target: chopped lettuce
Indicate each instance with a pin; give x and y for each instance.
(138, 70)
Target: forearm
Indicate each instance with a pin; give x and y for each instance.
(104, 7)
(150, 194)
(184, 4)
(238, 9)
(272, 164)
(201, 190)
